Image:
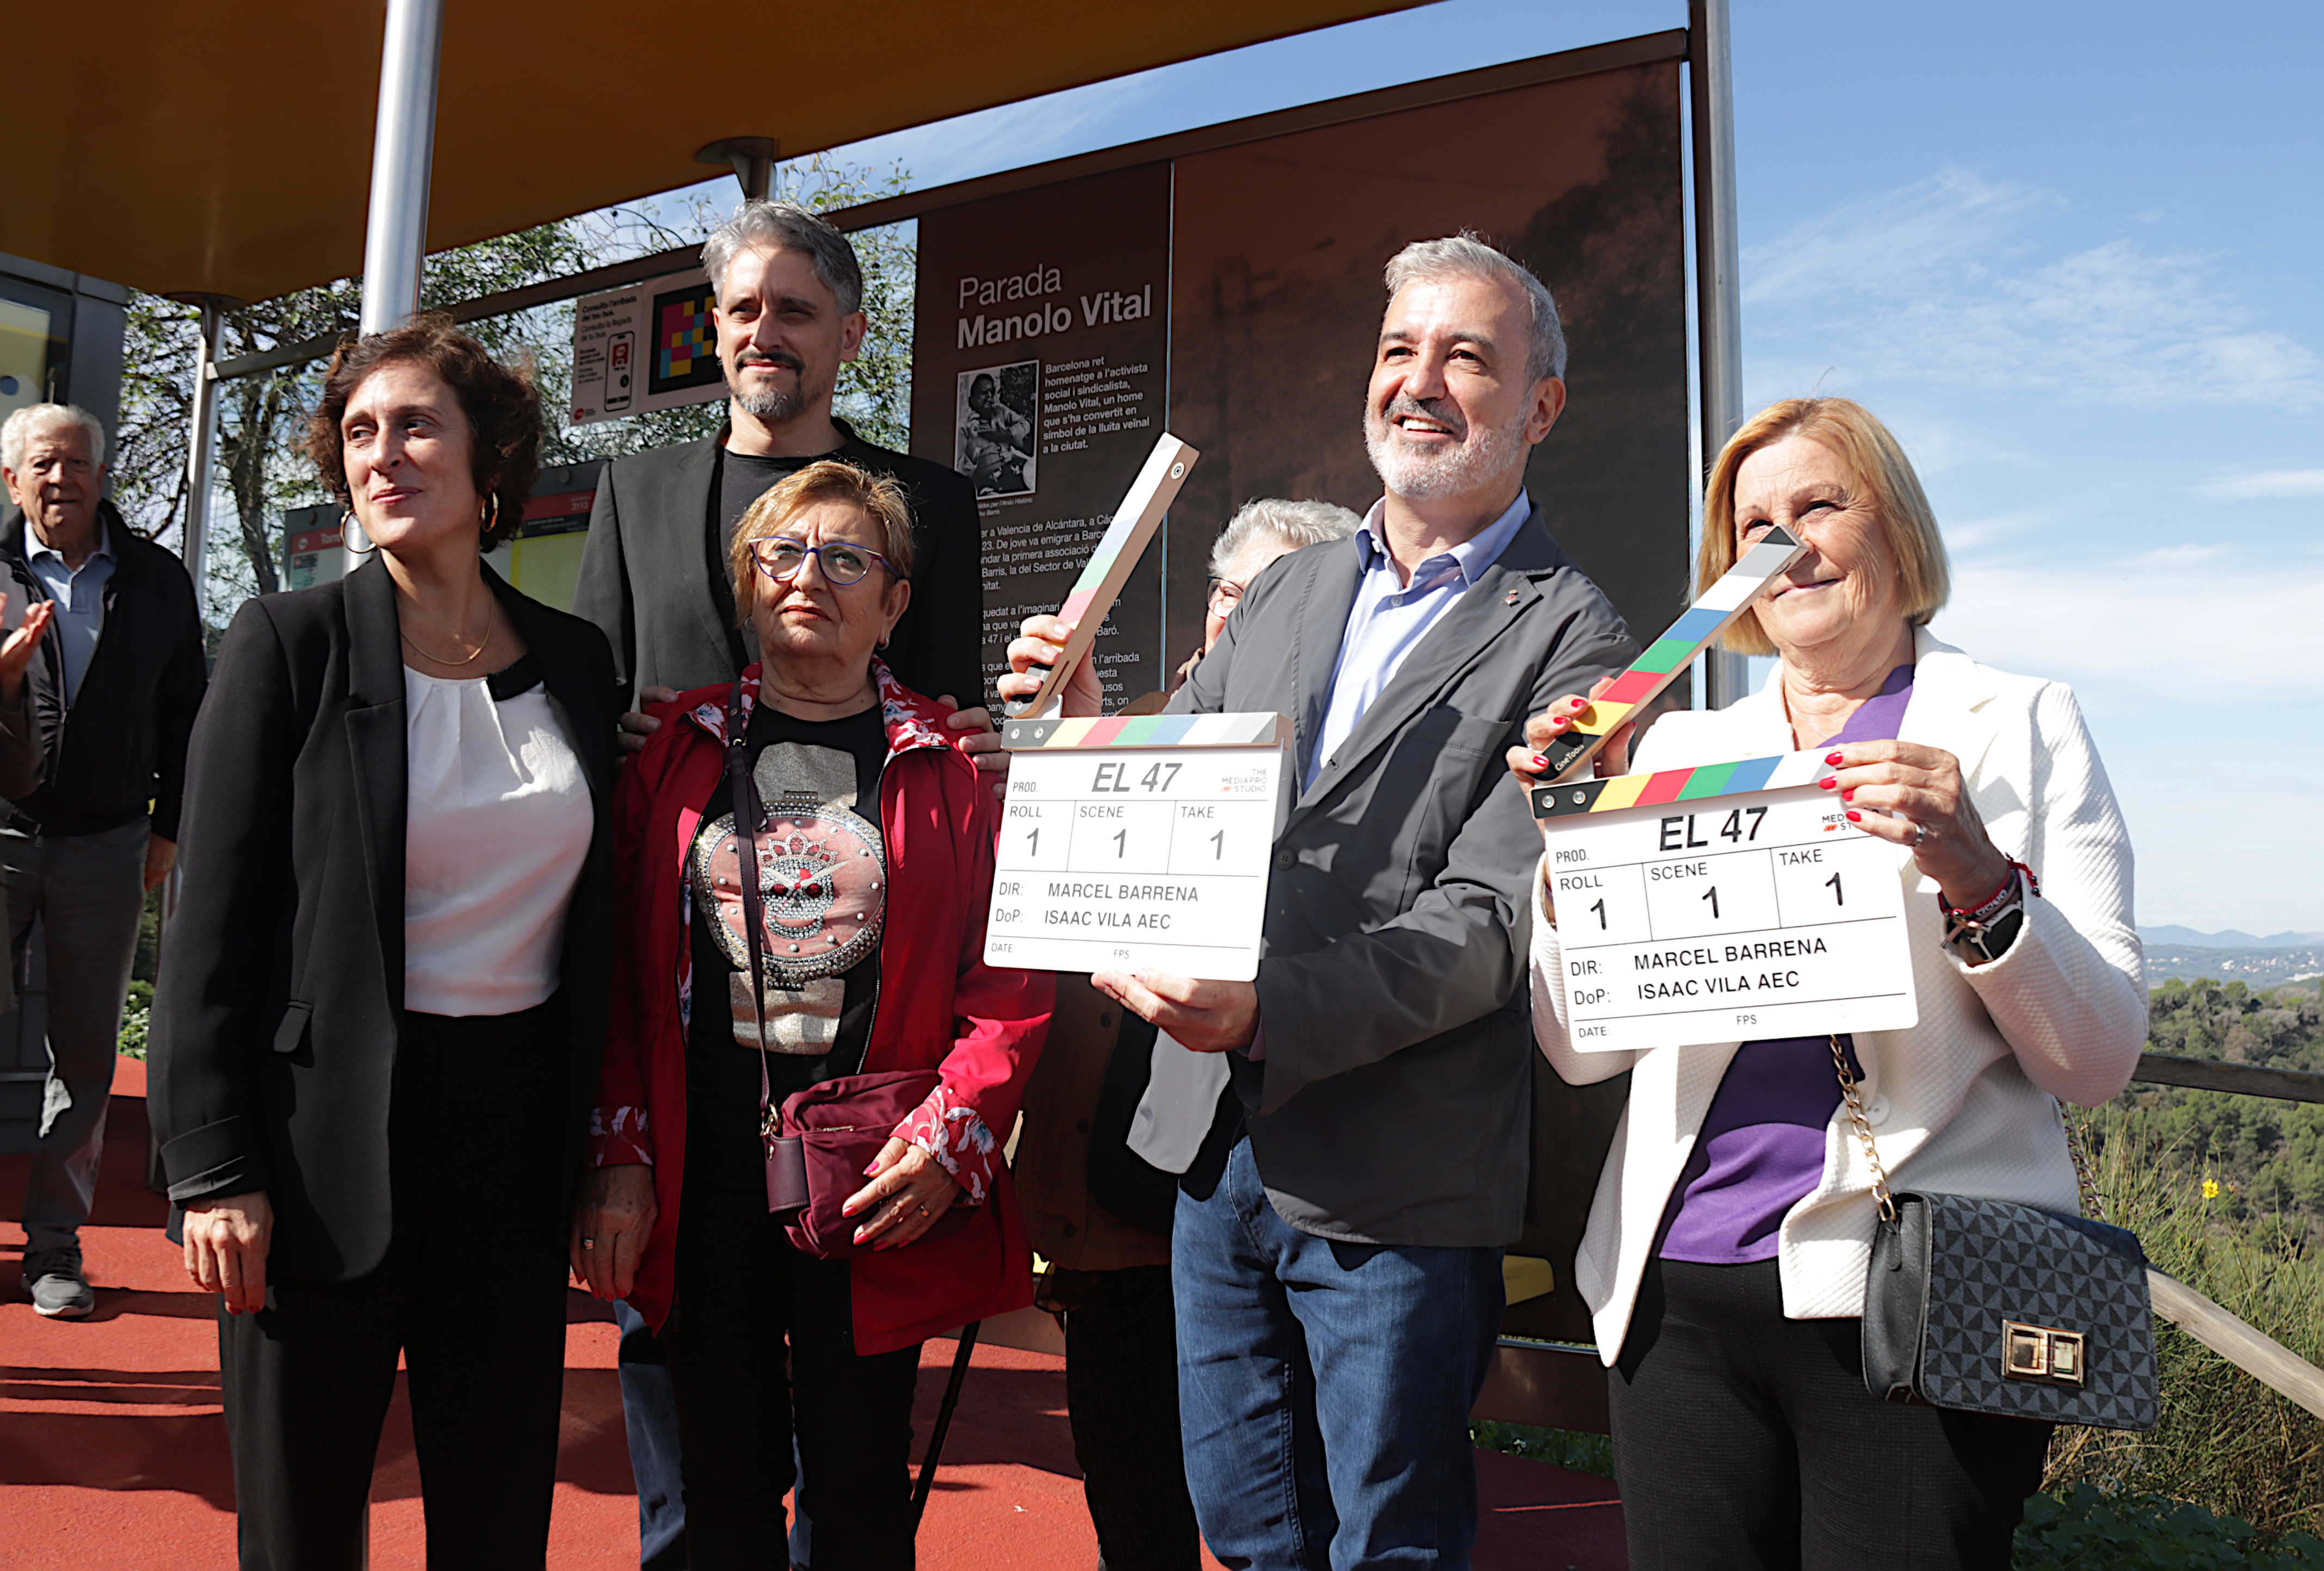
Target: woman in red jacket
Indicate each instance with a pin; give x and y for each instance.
(872, 933)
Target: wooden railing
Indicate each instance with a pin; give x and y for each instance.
(2241, 1079)
(2252, 1351)
(1561, 1386)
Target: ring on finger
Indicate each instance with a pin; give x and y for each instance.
(1919, 832)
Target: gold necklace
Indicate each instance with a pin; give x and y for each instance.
(456, 664)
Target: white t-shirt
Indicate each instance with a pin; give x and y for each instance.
(497, 823)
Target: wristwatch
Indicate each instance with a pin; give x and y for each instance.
(1983, 933)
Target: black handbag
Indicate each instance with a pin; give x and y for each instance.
(1993, 1306)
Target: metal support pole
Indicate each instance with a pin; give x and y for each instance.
(1718, 268)
(201, 441)
(752, 158)
(202, 450)
(403, 149)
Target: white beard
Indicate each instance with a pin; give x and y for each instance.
(1424, 476)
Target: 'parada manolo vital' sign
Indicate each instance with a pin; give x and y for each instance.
(1726, 902)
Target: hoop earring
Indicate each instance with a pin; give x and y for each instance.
(351, 529)
(492, 512)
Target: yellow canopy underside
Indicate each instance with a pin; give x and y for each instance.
(223, 146)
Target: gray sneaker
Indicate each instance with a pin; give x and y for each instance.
(59, 1290)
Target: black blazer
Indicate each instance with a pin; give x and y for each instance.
(281, 995)
(117, 753)
(651, 576)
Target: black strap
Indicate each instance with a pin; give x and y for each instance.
(927, 1478)
(744, 790)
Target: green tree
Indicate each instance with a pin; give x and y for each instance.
(262, 466)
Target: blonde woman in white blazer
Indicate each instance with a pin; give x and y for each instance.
(1725, 1257)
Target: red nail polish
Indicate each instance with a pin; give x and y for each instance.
(1540, 762)
(1826, 783)
(1849, 795)
(1832, 758)
(1581, 704)
(1855, 818)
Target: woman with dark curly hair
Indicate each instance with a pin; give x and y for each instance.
(379, 1026)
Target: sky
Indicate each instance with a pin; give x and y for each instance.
(2069, 252)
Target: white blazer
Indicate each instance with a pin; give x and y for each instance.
(1966, 1102)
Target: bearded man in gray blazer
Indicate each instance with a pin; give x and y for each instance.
(1338, 1277)
(654, 565)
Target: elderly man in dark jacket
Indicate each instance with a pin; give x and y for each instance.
(108, 703)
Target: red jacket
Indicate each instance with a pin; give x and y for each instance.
(940, 1008)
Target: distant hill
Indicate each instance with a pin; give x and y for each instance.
(2261, 968)
(2232, 938)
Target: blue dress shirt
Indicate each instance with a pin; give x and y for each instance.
(1390, 617)
(79, 615)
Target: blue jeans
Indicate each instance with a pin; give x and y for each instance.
(1325, 1388)
(649, 1413)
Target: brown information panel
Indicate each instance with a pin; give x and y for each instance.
(1040, 370)
(1276, 300)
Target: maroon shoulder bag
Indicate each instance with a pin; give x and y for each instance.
(819, 1143)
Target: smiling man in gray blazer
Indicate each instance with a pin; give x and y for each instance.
(1338, 1282)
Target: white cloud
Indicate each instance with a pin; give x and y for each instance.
(2164, 627)
(2012, 528)
(1895, 242)
(1945, 280)
(2201, 688)
(1009, 135)
(2270, 483)
(2186, 556)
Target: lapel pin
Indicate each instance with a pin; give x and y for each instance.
(1512, 599)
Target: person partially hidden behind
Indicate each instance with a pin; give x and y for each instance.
(1339, 1283)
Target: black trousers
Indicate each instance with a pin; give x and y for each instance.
(1122, 1391)
(742, 1292)
(1743, 1440)
(471, 1293)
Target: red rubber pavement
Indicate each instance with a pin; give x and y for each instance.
(113, 1444)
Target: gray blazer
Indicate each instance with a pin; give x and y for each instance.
(1393, 1104)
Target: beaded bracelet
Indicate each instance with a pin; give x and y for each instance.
(2000, 897)
(1989, 930)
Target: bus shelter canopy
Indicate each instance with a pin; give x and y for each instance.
(223, 146)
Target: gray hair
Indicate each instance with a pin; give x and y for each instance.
(787, 225)
(33, 416)
(1298, 525)
(1463, 255)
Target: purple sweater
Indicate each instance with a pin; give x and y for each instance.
(1761, 1147)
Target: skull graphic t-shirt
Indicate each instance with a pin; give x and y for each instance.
(823, 894)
